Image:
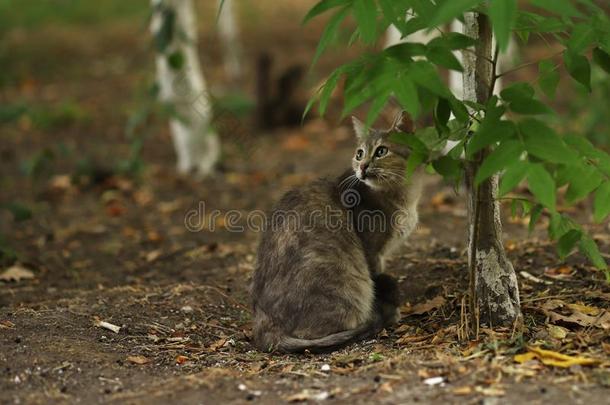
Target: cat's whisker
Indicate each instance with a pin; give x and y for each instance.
(349, 180)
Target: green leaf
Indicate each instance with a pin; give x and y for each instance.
(542, 141)
(454, 40)
(447, 167)
(410, 140)
(490, 132)
(329, 33)
(20, 212)
(541, 184)
(580, 38)
(530, 107)
(535, 214)
(583, 180)
(504, 155)
(406, 93)
(377, 105)
(602, 58)
(327, 90)
(448, 10)
(415, 159)
(164, 36)
(559, 225)
(459, 110)
(503, 14)
(513, 175)
(548, 77)
(578, 67)
(424, 74)
(601, 204)
(405, 50)
(442, 112)
(322, 7)
(366, 13)
(442, 56)
(568, 242)
(517, 92)
(176, 60)
(561, 7)
(589, 248)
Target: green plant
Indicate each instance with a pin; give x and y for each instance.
(496, 135)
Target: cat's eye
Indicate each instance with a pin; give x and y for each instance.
(381, 151)
(359, 154)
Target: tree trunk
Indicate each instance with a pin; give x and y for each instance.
(494, 293)
(183, 87)
(229, 35)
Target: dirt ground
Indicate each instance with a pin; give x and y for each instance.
(116, 248)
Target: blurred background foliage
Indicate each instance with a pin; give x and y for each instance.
(32, 14)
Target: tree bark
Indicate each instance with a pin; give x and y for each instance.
(183, 87)
(229, 36)
(494, 293)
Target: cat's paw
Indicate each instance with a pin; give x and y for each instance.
(386, 289)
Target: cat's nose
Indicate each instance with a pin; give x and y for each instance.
(363, 168)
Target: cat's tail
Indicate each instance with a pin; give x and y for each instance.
(328, 343)
(273, 339)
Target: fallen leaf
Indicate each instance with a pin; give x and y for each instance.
(465, 390)
(218, 344)
(181, 359)
(115, 209)
(153, 255)
(557, 332)
(295, 142)
(7, 324)
(60, 182)
(386, 387)
(562, 272)
(585, 309)
(602, 321)
(423, 307)
(16, 273)
(307, 395)
(491, 391)
(524, 357)
(140, 360)
(551, 358)
(154, 236)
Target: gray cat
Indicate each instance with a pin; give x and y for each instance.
(319, 282)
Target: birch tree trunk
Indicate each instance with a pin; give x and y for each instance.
(494, 293)
(229, 36)
(183, 87)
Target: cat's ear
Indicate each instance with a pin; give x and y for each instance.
(359, 128)
(403, 123)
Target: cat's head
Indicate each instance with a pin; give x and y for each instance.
(378, 162)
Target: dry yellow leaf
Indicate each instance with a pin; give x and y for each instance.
(585, 309)
(140, 360)
(465, 390)
(524, 357)
(557, 332)
(551, 358)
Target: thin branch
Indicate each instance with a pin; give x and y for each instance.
(524, 65)
(478, 56)
(494, 76)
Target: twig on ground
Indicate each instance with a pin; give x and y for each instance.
(106, 325)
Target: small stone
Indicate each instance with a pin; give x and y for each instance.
(325, 367)
(187, 309)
